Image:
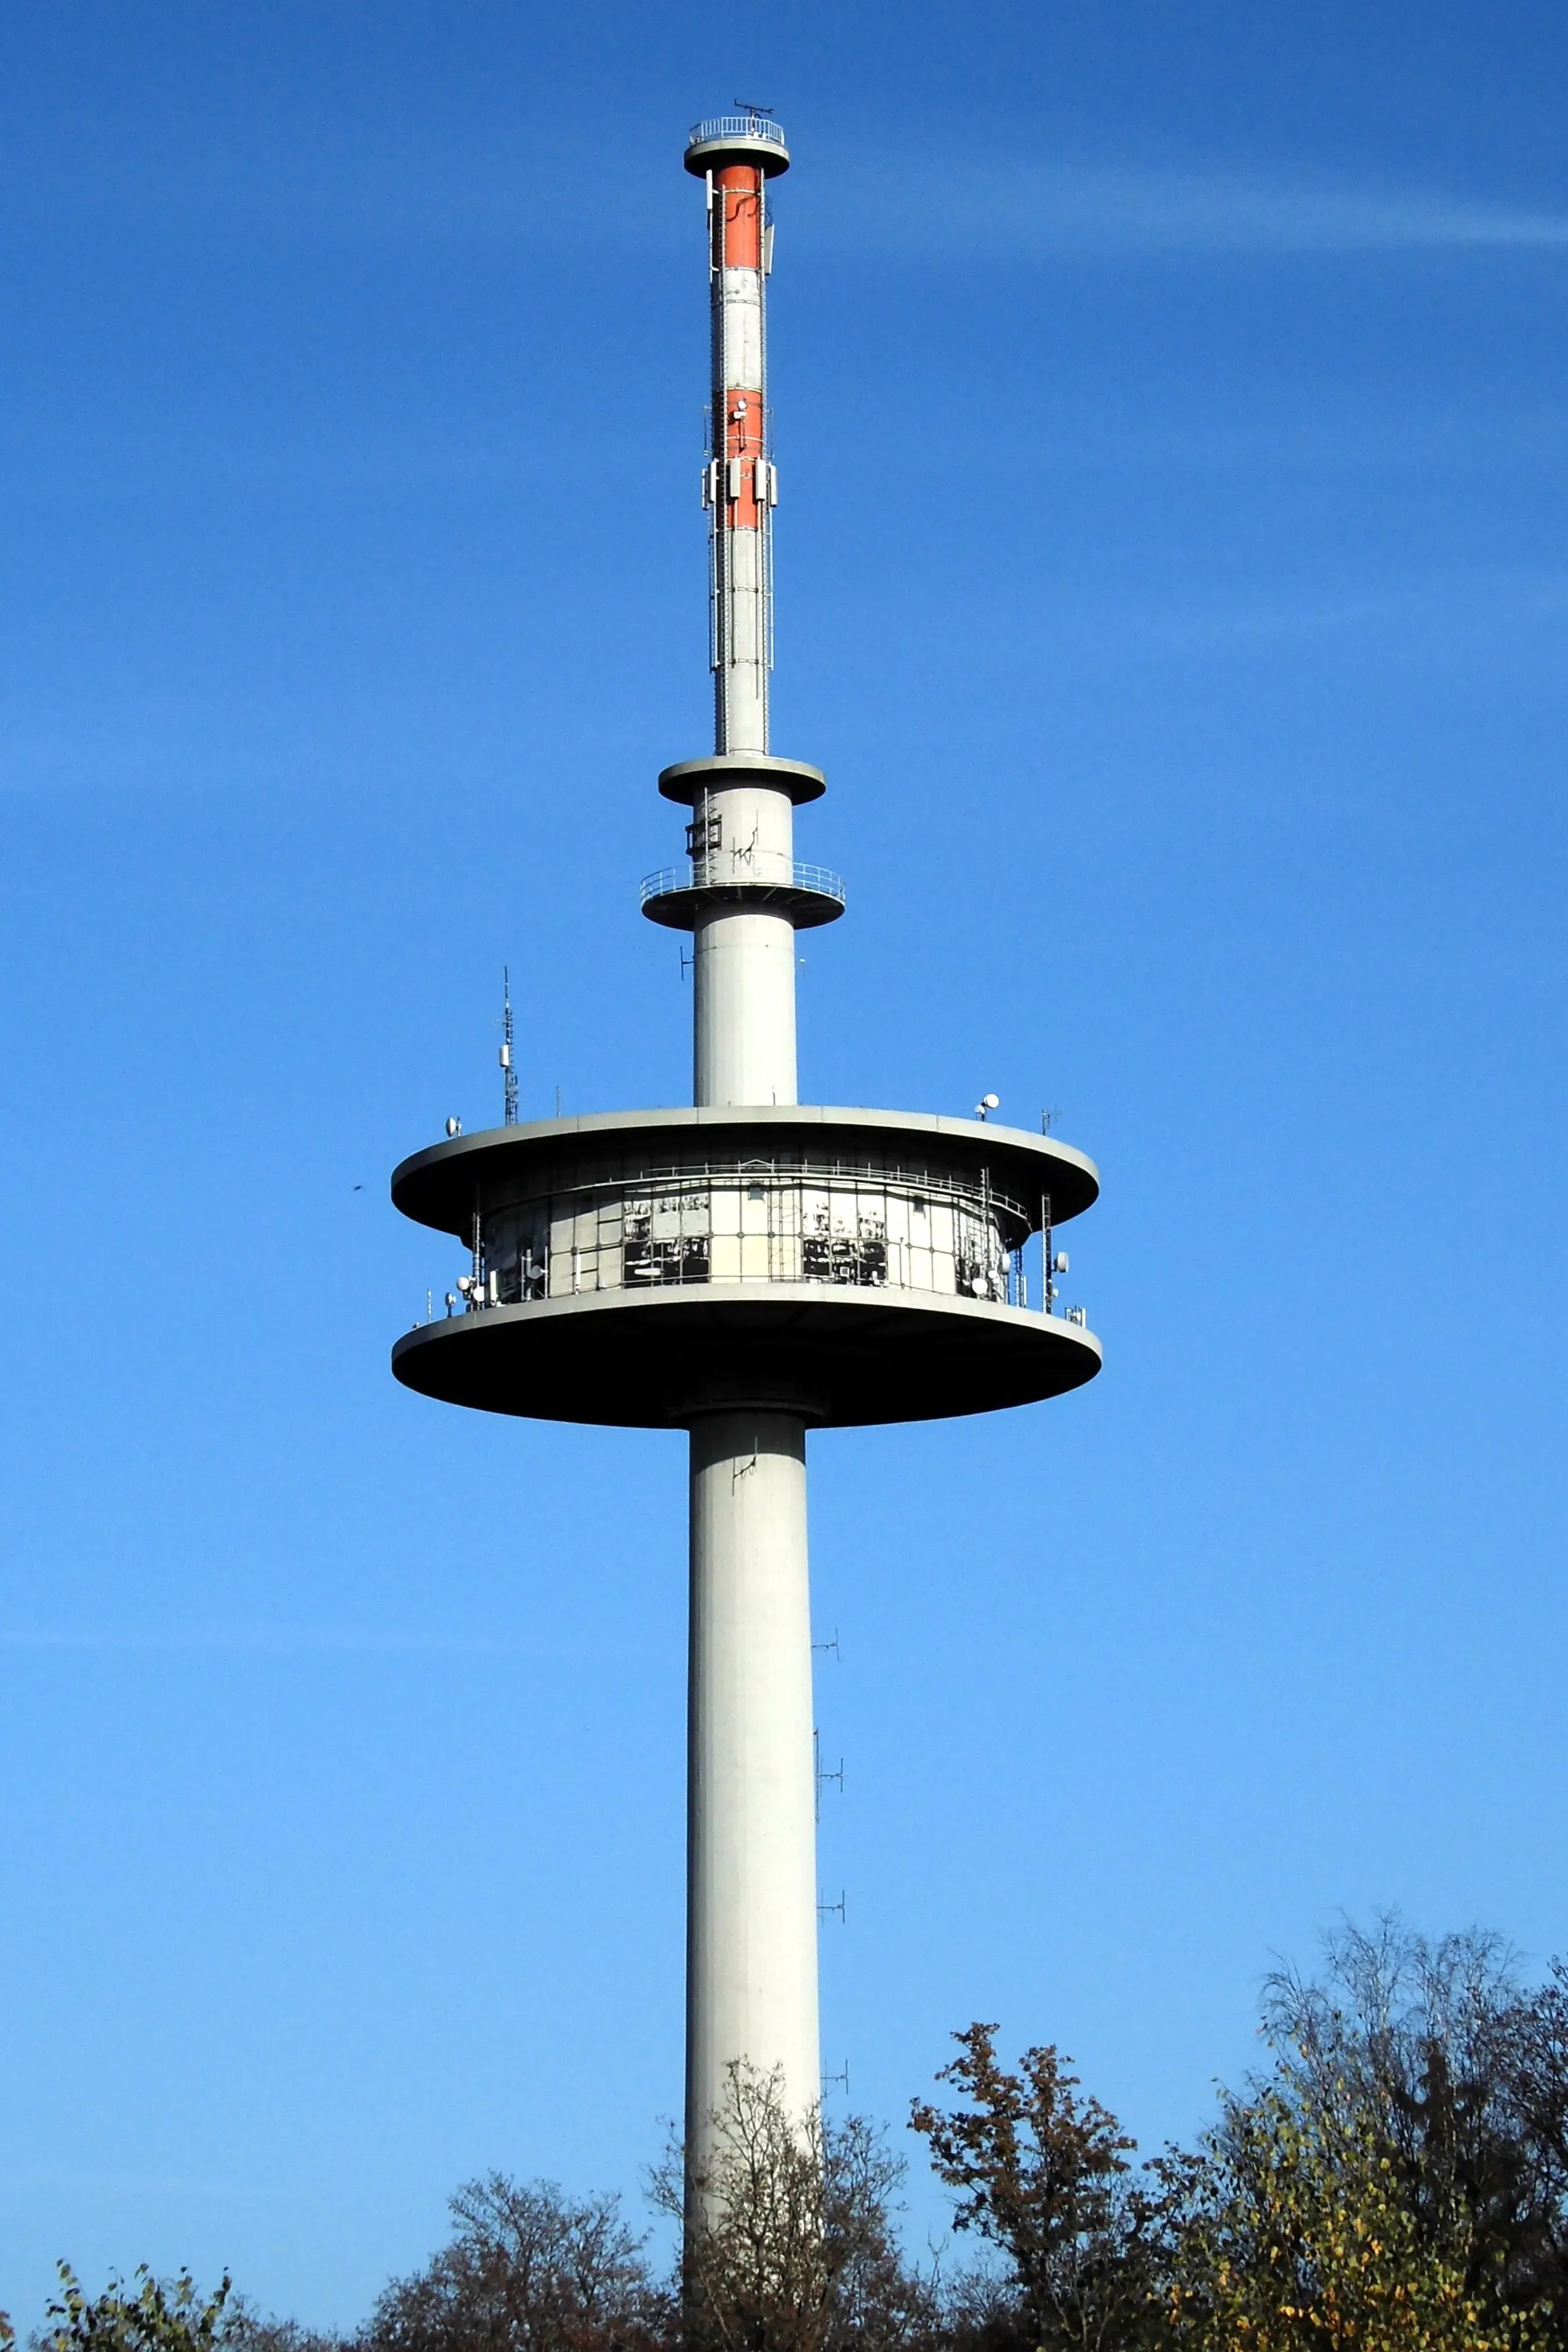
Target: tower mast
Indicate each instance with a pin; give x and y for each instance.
(751, 1961)
(750, 1267)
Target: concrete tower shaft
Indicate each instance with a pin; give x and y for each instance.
(750, 1966)
(743, 1047)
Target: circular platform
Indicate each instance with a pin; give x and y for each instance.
(736, 139)
(689, 780)
(853, 1265)
(442, 1186)
(813, 895)
(660, 1359)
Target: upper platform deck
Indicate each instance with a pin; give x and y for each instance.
(442, 1186)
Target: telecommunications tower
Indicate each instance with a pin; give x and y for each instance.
(751, 1267)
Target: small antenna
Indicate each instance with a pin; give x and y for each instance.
(509, 1067)
(823, 1778)
(750, 106)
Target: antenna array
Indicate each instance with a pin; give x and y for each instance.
(509, 1067)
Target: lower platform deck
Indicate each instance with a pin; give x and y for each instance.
(661, 1357)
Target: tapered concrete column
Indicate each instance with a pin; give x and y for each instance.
(743, 964)
(743, 1038)
(751, 1960)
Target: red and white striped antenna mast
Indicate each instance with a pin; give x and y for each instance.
(741, 486)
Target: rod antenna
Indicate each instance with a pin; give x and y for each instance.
(508, 1065)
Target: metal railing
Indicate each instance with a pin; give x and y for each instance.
(820, 880)
(736, 126)
(817, 1221)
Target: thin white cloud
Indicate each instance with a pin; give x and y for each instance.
(1033, 210)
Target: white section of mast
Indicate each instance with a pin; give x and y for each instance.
(750, 1790)
(743, 963)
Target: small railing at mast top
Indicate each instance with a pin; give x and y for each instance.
(736, 126)
(821, 881)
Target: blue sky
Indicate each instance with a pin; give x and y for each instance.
(1170, 413)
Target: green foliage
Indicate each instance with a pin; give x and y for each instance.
(1297, 2232)
(153, 2318)
(1465, 2076)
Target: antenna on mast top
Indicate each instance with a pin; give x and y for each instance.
(508, 1071)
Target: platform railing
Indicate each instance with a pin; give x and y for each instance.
(656, 1229)
(821, 881)
(735, 126)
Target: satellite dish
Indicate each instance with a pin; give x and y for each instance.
(454, 1127)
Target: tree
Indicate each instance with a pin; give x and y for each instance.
(1530, 2048)
(878, 2303)
(1297, 2232)
(153, 2318)
(1462, 2076)
(788, 2241)
(528, 2270)
(246, 2329)
(1042, 2174)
